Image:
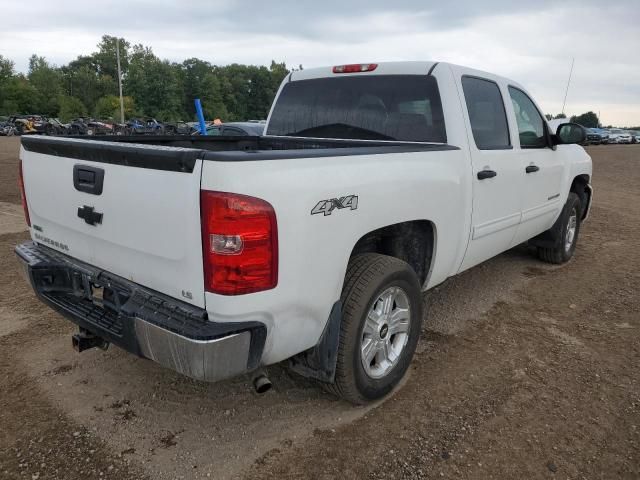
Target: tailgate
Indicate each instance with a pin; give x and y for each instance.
(133, 210)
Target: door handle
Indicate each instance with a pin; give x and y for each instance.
(532, 168)
(88, 179)
(482, 174)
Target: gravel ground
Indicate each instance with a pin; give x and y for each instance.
(524, 370)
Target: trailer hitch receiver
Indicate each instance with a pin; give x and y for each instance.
(84, 340)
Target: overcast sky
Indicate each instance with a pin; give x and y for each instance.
(531, 42)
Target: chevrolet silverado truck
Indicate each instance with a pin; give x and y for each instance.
(312, 243)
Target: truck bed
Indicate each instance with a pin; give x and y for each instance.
(259, 148)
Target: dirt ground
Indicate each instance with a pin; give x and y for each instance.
(525, 370)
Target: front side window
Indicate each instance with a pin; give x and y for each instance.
(361, 107)
(530, 122)
(486, 113)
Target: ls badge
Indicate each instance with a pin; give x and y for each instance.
(328, 206)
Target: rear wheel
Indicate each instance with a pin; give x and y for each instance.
(565, 231)
(381, 323)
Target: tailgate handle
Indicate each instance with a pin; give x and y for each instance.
(88, 179)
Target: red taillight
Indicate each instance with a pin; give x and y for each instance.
(239, 243)
(355, 68)
(23, 195)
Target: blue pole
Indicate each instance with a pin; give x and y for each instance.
(203, 127)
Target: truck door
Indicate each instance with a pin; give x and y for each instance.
(497, 172)
(542, 167)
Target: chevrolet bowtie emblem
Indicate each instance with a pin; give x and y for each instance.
(89, 215)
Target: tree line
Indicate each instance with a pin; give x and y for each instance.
(88, 86)
(588, 119)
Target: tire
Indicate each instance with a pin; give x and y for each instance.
(566, 241)
(369, 279)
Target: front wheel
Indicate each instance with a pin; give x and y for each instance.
(565, 231)
(381, 323)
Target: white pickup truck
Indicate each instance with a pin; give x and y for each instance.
(215, 256)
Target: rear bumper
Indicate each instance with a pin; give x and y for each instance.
(146, 323)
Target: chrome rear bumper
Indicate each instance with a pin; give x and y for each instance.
(149, 324)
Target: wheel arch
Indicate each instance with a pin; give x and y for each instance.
(413, 242)
(580, 185)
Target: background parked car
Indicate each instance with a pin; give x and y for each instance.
(56, 127)
(147, 126)
(617, 135)
(179, 128)
(635, 136)
(604, 135)
(90, 126)
(27, 124)
(235, 129)
(7, 129)
(593, 137)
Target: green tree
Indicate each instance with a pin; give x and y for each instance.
(6, 69)
(260, 93)
(154, 84)
(248, 90)
(82, 79)
(47, 81)
(109, 107)
(560, 115)
(70, 108)
(589, 120)
(18, 96)
(278, 72)
(200, 81)
(105, 58)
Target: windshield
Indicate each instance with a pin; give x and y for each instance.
(378, 107)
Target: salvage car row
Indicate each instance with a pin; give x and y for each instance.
(42, 125)
(601, 136)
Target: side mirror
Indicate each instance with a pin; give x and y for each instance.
(568, 133)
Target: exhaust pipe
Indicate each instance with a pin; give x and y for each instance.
(84, 340)
(261, 383)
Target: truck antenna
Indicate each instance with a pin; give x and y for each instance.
(568, 83)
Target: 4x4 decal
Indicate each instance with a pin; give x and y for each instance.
(328, 206)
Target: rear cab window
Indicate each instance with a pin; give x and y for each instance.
(487, 114)
(361, 107)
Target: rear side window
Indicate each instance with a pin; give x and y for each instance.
(360, 107)
(486, 113)
(530, 122)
